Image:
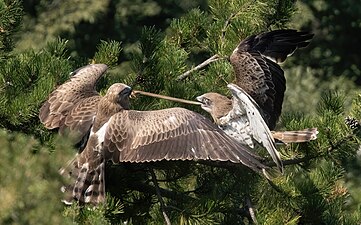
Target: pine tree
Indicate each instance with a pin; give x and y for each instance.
(311, 191)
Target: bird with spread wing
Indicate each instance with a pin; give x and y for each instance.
(240, 118)
(256, 67)
(258, 91)
(110, 131)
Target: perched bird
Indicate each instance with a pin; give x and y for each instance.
(255, 63)
(110, 131)
(258, 91)
(240, 117)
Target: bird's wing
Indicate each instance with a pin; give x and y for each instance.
(254, 77)
(255, 62)
(171, 134)
(80, 118)
(279, 82)
(257, 125)
(276, 45)
(73, 104)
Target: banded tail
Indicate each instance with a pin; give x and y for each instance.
(296, 136)
(87, 180)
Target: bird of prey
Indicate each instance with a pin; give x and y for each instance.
(110, 131)
(255, 63)
(241, 119)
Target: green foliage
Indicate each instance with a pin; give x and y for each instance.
(30, 181)
(26, 80)
(305, 88)
(58, 17)
(103, 214)
(10, 19)
(313, 190)
(108, 53)
(30, 185)
(334, 50)
(321, 180)
(85, 23)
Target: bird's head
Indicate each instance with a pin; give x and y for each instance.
(119, 93)
(215, 104)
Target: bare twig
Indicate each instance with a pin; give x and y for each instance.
(293, 161)
(162, 205)
(145, 188)
(200, 66)
(135, 92)
(226, 24)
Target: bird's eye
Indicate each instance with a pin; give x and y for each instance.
(125, 92)
(207, 101)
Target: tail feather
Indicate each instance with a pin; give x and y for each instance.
(87, 181)
(296, 136)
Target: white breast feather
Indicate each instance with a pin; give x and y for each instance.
(101, 132)
(257, 127)
(238, 128)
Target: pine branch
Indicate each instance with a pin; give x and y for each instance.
(145, 188)
(216, 56)
(295, 161)
(198, 67)
(162, 204)
(226, 25)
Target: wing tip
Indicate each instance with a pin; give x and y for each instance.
(101, 67)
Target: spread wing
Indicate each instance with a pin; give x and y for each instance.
(277, 44)
(171, 134)
(257, 72)
(258, 127)
(254, 77)
(73, 104)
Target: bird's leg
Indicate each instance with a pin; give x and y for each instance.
(251, 209)
(160, 199)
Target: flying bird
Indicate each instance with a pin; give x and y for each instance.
(110, 131)
(240, 118)
(255, 63)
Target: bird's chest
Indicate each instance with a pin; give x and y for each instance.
(238, 128)
(96, 139)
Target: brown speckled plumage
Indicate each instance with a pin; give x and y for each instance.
(122, 135)
(255, 63)
(72, 106)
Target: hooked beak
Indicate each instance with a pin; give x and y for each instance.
(200, 99)
(128, 91)
(204, 105)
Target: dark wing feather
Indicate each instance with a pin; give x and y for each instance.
(254, 77)
(171, 134)
(73, 104)
(279, 84)
(267, 49)
(277, 44)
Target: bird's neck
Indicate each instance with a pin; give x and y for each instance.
(106, 109)
(222, 110)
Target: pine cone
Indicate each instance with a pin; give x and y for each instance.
(352, 122)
